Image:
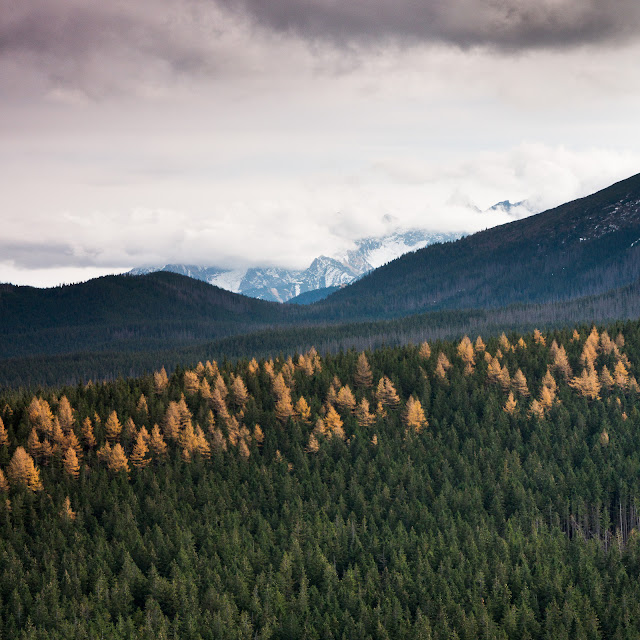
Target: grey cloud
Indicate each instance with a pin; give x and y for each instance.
(101, 46)
(504, 24)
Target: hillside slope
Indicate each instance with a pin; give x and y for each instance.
(584, 247)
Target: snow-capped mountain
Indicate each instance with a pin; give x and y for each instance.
(276, 284)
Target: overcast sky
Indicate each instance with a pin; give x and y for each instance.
(246, 132)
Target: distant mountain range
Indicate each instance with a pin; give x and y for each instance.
(323, 276)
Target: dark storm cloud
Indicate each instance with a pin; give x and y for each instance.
(71, 38)
(510, 24)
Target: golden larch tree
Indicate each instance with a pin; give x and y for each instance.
(191, 383)
(480, 345)
(606, 379)
(243, 449)
(538, 338)
(510, 406)
(211, 368)
(303, 410)
(239, 392)
(620, 341)
(202, 447)
(425, 351)
(258, 435)
(521, 344)
(171, 425)
(4, 485)
(160, 380)
(561, 362)
(142, 407)
(363, 377)
(4, 436)
(333, 423)
(117, 461)
(284, 407)
(140, 449)
(34, 445)
(87, 433)
(607, 345)
(520, 383)
(205, 389)
(414, 417)
(386, 393)
(346, 399)
(112, 427)
(67, 512)
(305, 364)
(549, 381)
(575, 337)
(467, 354)
(442, 366)
(129, 430)
(587, 384)
(70, 463)
(604, 438)
(363, 416)
(621, 375)
(536, 410)
(22, 471)
(504, 343)
(253, 367)
(312, 446)
(157, 443)
(65, 414)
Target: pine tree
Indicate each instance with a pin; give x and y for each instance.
(71, 464)
(140, 450)
(363, 377)
(414, 417)
(112, 427)
(22, 470)
(117, 461)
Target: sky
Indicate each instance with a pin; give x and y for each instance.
(249, 132)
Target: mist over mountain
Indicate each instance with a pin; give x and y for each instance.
(325, 272)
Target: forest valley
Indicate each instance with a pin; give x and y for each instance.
(458, 489)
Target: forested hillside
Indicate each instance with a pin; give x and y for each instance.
(482, 488)
(581, 248)
(619, 304)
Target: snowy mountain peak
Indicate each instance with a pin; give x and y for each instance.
(325, 272)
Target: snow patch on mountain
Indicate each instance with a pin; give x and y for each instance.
(325, 272)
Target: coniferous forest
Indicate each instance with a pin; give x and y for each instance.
(477, 488)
